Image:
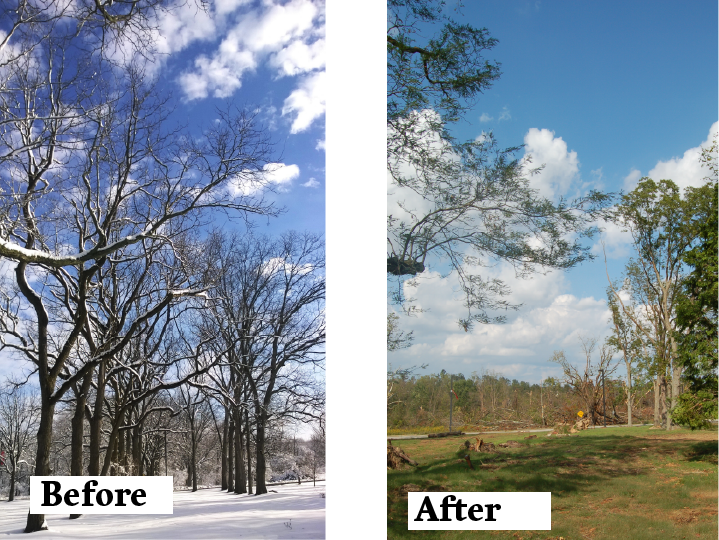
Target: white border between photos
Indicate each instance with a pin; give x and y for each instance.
(356, 281)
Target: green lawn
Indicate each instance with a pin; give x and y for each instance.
(623, 483)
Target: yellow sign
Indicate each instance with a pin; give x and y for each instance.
(580, 414)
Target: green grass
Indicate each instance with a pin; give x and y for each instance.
(624, 483)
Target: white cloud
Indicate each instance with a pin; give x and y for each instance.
(617, 241)
(281, 174)
(632, 179)
(311, 183)
(485, 118)
(549, 320)
(299, 57)
(685, 171)
(505, 114)
(184, 23)
(221, 78)
(561, 167)
(320, 145)
(289, 34)
(223, 7)
(271, 29)
(307, 102)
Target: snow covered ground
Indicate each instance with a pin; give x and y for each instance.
(293, 512)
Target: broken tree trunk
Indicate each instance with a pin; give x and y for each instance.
(445, 434)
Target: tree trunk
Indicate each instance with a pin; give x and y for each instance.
(657, 416)
(112, 440)
(249, 457)
(36, 522)
(629, 390)
(114, 456)
(666, 420)
(78, 430)
(240, 480)
(11, 496)
(230, 457)
(137, 449)
(676, 377)
(128, 445)
(93, 468)
(194, 461)
(225, 429)
(260, 467)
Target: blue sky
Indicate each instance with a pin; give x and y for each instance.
(266, 55)
(602, 94)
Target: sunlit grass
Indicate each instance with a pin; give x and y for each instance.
(632, 483)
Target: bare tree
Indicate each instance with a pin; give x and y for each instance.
(19, 414)
(586, 381)
(195, 412)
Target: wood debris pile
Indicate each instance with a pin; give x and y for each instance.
(580, 425)
(396, 457)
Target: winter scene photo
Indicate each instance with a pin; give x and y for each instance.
(162, 262)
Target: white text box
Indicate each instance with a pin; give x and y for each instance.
(101, 494)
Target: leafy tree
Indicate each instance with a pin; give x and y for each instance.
(396, 338)
(663, 225)
(627, 339)
(469, 204)
(696, 309)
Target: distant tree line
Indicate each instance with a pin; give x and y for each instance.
(488, 399)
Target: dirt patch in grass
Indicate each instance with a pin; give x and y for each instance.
(684, 516)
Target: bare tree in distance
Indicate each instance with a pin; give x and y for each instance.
(19, 415)
(586, 380)
(270, 309)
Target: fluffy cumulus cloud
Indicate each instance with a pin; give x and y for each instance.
(185, 23)
(281, 174)
(277, 175)
(685, 171)
(549, 319)
(306, 103)
(287, 37)
(615, 241)
(561, 166)
(299, 57)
